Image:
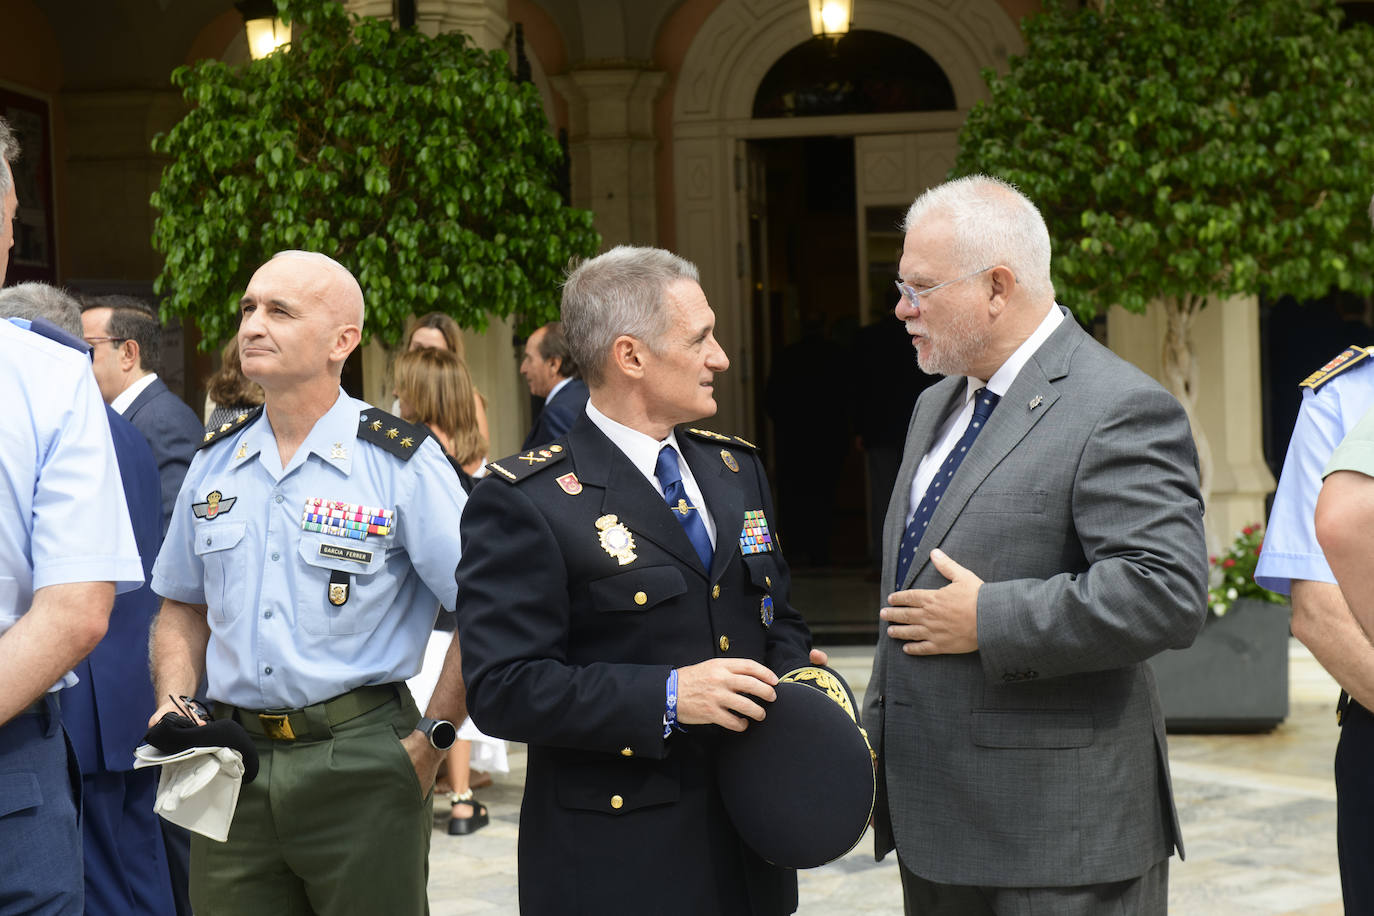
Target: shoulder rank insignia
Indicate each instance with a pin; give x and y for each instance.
(710, 436)
(1349, 357)
(225, 429)
(391, 434)
(517, 467)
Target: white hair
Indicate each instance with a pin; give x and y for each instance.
(619, 292)
(993, 223)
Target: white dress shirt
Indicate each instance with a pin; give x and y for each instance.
(953, 429)
(125, 399)
(643, 452)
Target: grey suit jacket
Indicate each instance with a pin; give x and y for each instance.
(173, 431)
(1040, 759)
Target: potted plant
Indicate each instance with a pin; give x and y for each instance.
(1234, 677)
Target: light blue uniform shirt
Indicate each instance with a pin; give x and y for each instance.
(1290, 548)
(62, 512)
(276, 639)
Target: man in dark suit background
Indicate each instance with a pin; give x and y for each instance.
(551, 372)
(1043, 541)
(125, 864)
(619, 606)
(124, 335)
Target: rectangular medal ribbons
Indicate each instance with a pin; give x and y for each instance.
(755, 537)
(346, 520)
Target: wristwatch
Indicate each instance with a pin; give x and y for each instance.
(440, 732)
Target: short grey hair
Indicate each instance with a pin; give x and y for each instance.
(993, 223)
(9, 151)
(619, 292)
(39, 300)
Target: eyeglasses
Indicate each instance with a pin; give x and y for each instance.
(914, 296)
(96, 340)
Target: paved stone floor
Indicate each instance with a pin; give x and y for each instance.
(1258, 812)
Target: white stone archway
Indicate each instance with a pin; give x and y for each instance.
(712, 113)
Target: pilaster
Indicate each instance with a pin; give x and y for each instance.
(612, 145)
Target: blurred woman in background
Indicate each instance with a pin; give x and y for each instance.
(438, 331)
(433, 388)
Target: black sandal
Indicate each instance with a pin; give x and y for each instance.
(462, 826)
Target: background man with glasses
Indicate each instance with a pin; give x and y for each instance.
(124, 334)
(1044, 540)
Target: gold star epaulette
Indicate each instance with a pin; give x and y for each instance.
(517, 467)
(1350, 356)
(391, 434)
(710, 436)
(225, 429)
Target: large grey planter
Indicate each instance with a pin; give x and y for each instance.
(1234, 677)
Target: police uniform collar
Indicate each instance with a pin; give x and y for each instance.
(641, 449)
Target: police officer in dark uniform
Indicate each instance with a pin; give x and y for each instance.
(623, 600)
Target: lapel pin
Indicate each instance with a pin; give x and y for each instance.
(1035, 401)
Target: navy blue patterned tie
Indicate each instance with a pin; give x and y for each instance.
(983, 403)
(670, 476)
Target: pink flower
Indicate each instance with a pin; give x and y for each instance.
(1228, 563)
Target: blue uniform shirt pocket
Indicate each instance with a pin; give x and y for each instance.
(226, 568)
(320, 613)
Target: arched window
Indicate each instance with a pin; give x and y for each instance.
(865, 72)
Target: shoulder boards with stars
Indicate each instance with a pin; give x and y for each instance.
(517, 467)
(710, 436)
(232, 426)
(1348, 357)
(391, 434)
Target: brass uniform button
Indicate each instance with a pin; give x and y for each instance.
(641, 599)
(725, 644)
(715, 591)
(627, 752)
(617, 802)
(768, 581)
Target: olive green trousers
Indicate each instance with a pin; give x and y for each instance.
(335, 823)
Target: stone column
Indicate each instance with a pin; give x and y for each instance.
(612, 145)
(1229, 408)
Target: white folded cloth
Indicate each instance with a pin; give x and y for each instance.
(198, 788)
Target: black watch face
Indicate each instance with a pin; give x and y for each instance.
(443, 734)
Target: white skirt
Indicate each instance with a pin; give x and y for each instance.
(488, 753)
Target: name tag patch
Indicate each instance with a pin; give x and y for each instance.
(335, 552)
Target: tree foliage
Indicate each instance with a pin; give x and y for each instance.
(419, 163)
(1182, 149)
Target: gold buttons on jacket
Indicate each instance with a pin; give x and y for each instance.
(715, 591)
(627, 752)
(725, 644)
(641, 599)
(617, 802)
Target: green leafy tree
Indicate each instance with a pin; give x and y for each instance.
(419, 163)
(1183, 150)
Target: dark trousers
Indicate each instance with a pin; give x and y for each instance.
(40, 832)
(126, 867)
(1355, 808)
(1147, 895)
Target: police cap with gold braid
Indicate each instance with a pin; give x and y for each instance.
(800, 785)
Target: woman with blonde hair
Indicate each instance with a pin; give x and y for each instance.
(438, 331)
(433, 388)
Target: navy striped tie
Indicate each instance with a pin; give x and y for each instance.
(983, 403)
